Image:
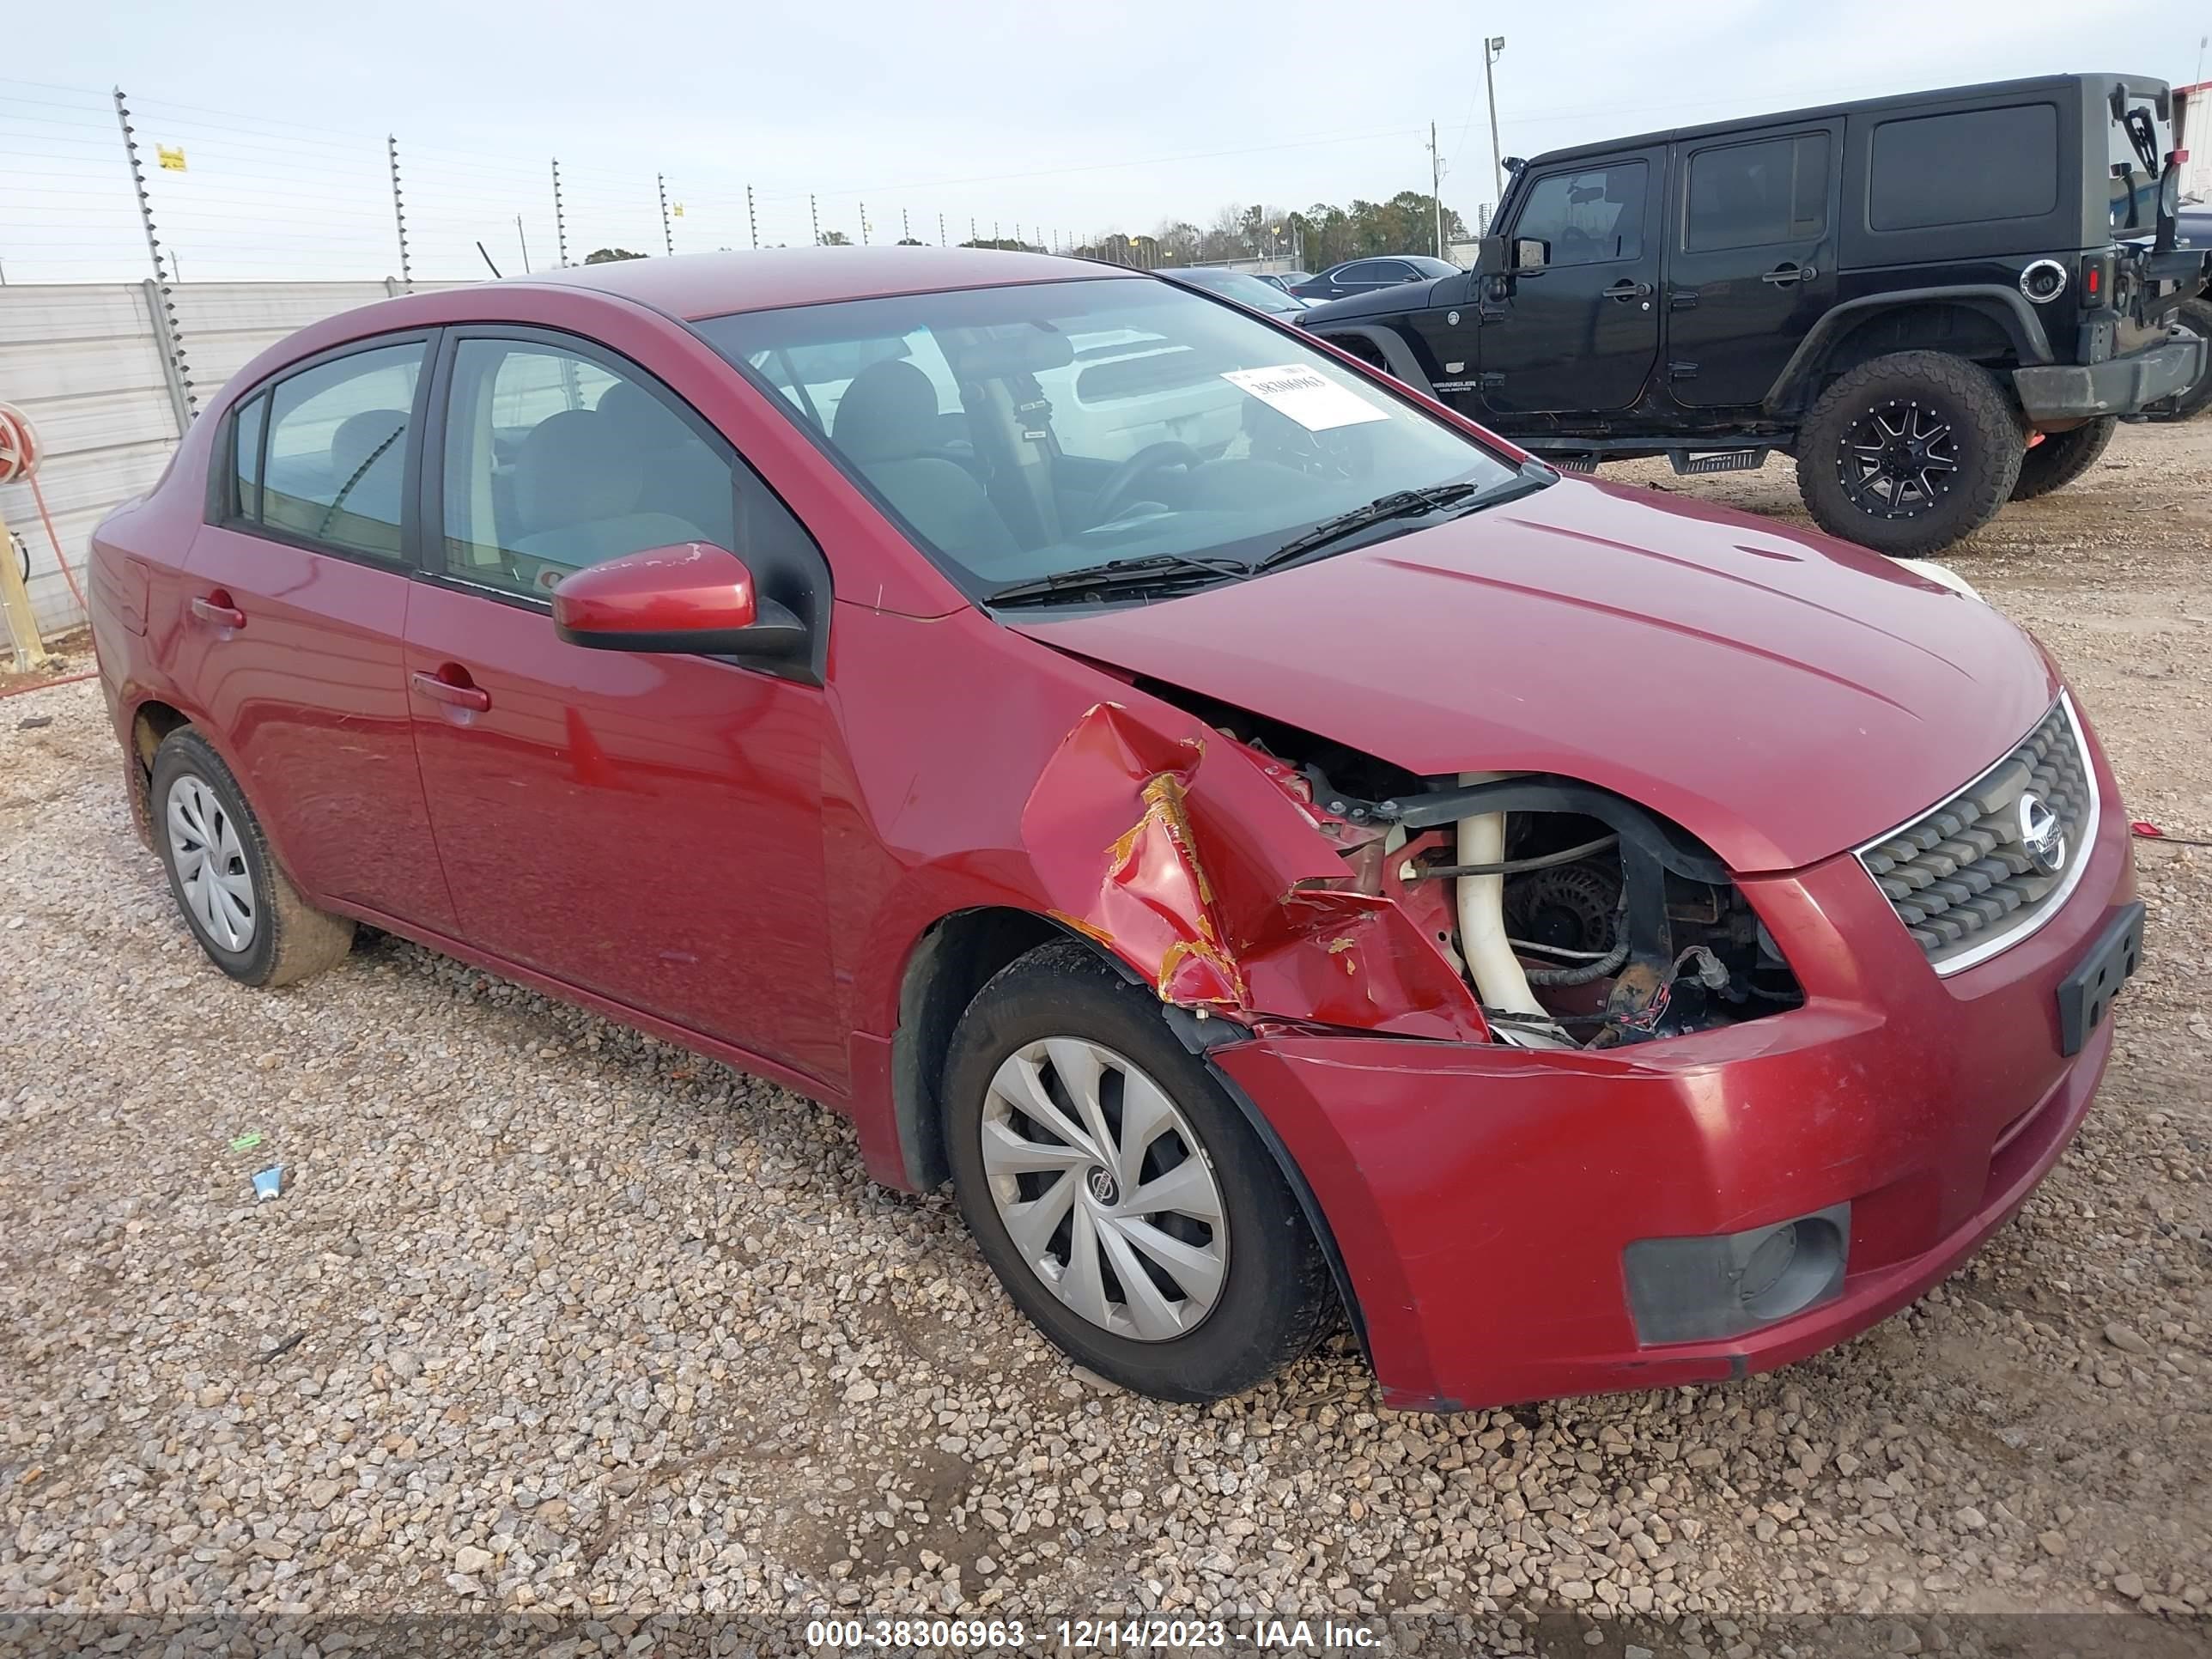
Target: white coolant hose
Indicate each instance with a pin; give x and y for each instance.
(1490, 964)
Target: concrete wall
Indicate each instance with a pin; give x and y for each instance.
(85, 362)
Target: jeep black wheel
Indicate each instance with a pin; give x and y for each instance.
(2063, 457)
(2196, 317)
(1909, 452)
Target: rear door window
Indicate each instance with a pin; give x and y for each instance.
(1589, 217)
(1964, 168)
(1752, 195)
(335, 471)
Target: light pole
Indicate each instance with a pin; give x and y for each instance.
(1493, 48)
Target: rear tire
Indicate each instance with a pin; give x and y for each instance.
(244, 911)
(2196, 317)
(1217, 1305)
(1909, 452)
(2064, 457)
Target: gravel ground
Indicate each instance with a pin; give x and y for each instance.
(554, 1317)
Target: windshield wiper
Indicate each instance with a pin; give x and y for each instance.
(1405, 504)
(1116, 576)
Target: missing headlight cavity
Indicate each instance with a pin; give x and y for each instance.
(1579, 918)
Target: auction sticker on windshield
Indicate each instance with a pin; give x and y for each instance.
(1313, 401)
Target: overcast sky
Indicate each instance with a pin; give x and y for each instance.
(1059, 118)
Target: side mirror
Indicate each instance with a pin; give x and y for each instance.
(690, 597)
(1531, 253)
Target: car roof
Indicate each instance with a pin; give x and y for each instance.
(695, 285)
(1858, 106)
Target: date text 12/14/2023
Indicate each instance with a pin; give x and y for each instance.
(1088, 1635)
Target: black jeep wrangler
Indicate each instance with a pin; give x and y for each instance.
(1936, 302)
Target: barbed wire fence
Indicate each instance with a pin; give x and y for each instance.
(239, 197)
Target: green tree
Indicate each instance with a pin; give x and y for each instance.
(607, 256)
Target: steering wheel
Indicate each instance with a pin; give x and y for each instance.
(1114, 495)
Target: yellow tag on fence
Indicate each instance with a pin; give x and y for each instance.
(172, 160)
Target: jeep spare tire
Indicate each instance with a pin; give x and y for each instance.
(1909, 452)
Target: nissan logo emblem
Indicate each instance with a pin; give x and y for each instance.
(2042, 837)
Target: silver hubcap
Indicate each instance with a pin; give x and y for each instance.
(1105, 1189)
(211, 862)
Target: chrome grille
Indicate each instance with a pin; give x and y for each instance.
(1959, 877)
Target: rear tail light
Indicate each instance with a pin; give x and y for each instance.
(2096, 280)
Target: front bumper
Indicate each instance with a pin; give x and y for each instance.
(1482, 1197)
(2118, 386)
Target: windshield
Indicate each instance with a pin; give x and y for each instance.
(1244, 288)
(1019, 432)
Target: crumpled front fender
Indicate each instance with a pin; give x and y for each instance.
(1193, 859)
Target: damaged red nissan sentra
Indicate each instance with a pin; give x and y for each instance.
(1269, 844)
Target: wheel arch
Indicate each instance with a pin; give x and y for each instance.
(153, 719)
(1980, 322)
(952, 960)
(1378, 346)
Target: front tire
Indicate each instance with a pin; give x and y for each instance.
(244, 911)
(2064, 457)
(1117, 1190)
(1909, 452)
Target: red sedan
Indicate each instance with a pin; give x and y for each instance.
(1273, 846)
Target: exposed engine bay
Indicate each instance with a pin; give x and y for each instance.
(1577, 917)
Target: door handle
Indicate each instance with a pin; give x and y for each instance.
(1625, 289)
(1788, 272)
(462, 695)
(217, 611)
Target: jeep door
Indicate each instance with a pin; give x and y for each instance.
(1751, 264)
(1574, 324)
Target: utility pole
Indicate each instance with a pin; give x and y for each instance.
(864, 224)
(667, 236)
(1493, 48)
(751, 222)
(814, 214)
(906, 231)
(1437, 187)
(940, 230)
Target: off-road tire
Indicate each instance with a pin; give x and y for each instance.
(2197, 317)
(2064, 457)
(1277, 1299)
(291, 938)
(1990, 439)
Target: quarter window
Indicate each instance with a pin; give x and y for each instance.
(1968, 168)
(1588, 217)
(554, 461)
(1752, 195)
(335, 466)
(247, 428)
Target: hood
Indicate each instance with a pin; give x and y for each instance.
(1399, 297)
(1782, 696)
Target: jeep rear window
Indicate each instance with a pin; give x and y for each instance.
(1965, 169)
(2135, 149)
